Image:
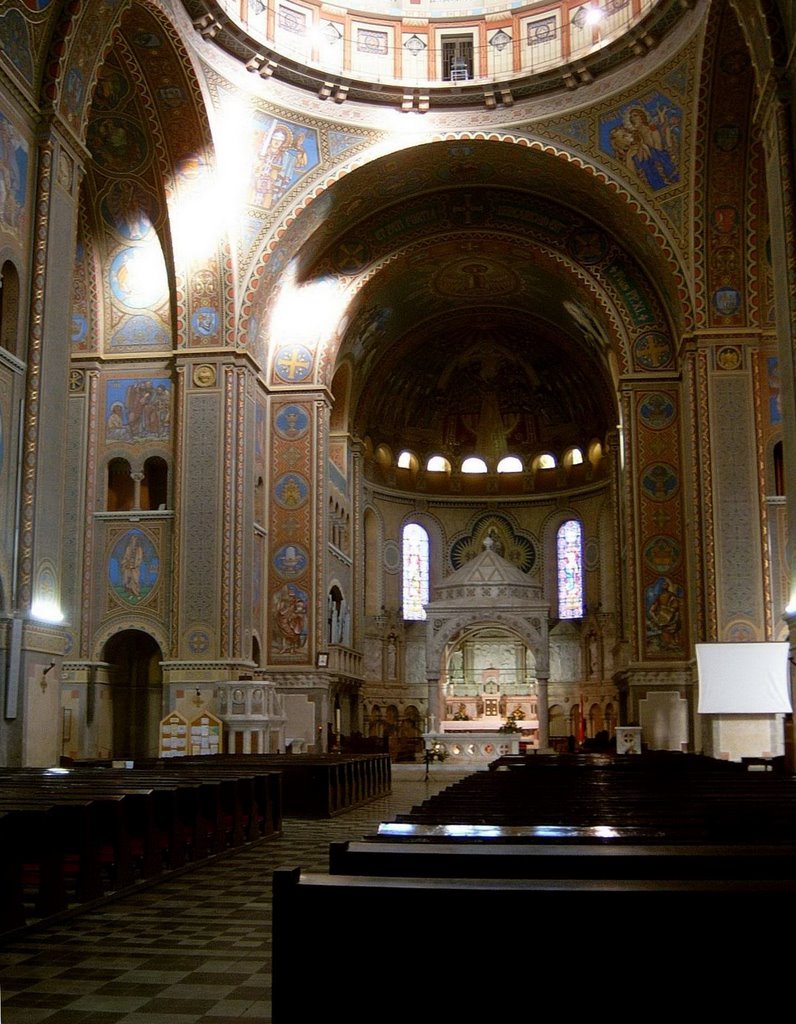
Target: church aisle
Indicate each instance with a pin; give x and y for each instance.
(195, 947)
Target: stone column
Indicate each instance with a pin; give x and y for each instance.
(775, 108)
(435, 703)
(542, 707)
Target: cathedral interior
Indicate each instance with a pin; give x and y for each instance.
(392, 370)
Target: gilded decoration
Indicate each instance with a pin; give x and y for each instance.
(519, 549)
(728, 153)
(291, 519)
(204, 375)
(660, 522)
(292, 364)
(729, 357)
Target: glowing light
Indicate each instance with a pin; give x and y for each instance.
(207, 203)
(474, 465)
(593, 15)
(510, 464)
(138, 275)
(307, 314)
(46, 610)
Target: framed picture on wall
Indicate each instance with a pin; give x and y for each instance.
(323, 659)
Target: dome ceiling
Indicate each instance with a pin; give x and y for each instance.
(477, 322)
(398, 53)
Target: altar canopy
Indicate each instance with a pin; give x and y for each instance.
(743, 679)
(488, 633)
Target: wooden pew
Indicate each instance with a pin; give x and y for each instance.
(73, 835)
(506, 860)
(313, 785)
(465, 949)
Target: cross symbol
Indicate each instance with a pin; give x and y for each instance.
(654, 349)
(468, 209)
(293, 365)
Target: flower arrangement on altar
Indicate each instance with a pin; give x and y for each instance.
(436, 752)
(510, 725)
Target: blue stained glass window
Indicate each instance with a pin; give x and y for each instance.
(415, 571)
(569, 549)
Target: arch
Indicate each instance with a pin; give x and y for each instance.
(569, 569)
(510, 464)
(120, 491)
(136, 683)
(155, 484)
(415, 571)
(437, 464)
(526, 627)
(576, 722)
(558, 722)
(341, 393)
(562, 165)
(777, 472)
(373, 529)
(572, 457)
(338, 617)
(595, 719)
(550, 530)
(10, 337)
(474, 464)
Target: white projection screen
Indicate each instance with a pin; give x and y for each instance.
(743, 679)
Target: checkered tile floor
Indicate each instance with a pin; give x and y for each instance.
(193, 949)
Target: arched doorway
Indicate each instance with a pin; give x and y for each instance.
(136, 688)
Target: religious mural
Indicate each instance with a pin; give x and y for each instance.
(15, 43)
(284, 153)
(289, 616)
(137, 276)
(662, 602)
(503, 539)
(133, 567)
(138, 410)
(13, 177)
(291, 517)
(774, 396)
(645, 137)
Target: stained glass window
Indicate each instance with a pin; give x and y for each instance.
(569, 548)
(415, 571)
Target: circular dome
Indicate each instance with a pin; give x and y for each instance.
(434, 53)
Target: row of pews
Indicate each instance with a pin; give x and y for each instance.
(662, 871)
(77, 833)
(313, 785)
